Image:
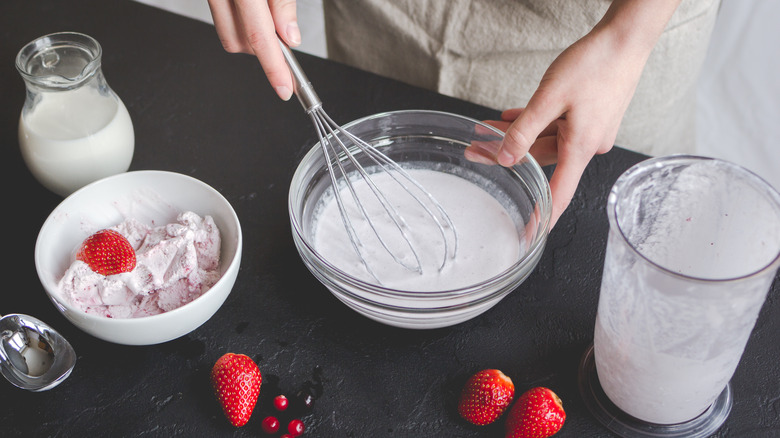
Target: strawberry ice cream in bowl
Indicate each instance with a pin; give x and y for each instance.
(141, 257)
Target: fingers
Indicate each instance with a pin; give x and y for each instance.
(485, 145)
(549, 145)
(260, 34)
(285, 17)
(511, 114)
(498, 124)
(529, 124)
(544, 149)
(226, 23)
(252, 26)
(565, 180)
(482, 152)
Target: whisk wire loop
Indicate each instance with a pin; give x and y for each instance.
(342, 210)
(402, 177)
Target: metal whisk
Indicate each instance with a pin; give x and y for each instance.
(338, 145)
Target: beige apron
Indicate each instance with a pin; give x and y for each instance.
(494, 52)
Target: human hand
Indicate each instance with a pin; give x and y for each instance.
(573, 115)
(576, 111)
(252, 26)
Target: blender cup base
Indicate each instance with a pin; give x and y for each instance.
(629, 427)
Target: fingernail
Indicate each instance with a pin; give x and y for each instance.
(294, 33)
(505, 158)
(284, 92)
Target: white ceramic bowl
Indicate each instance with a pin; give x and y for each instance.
(433, 140)
(148, 196)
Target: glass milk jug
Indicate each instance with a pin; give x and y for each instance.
(73, 128)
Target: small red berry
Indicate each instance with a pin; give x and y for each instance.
(287, 435)
(280, 402)
(270, 425)
(296, 427)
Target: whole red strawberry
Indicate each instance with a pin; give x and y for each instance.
(236, 380)
(538, 413)
(485, 397)
(107, 252)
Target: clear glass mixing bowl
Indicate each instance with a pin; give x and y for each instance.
(431, 140)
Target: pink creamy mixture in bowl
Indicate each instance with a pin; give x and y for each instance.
(188, 246)
(175, 264)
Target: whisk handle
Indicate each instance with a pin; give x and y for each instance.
(303, 88)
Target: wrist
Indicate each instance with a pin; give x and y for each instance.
(634, 26)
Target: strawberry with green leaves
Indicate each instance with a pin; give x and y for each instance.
(485, 397)
(107, 252)
(538, 413)
(236, 381)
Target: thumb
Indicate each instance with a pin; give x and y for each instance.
(522, 133)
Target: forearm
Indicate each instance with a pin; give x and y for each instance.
(635, 25)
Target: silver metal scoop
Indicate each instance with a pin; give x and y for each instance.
(33, 356)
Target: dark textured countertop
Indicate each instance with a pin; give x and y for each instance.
(200, 111)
